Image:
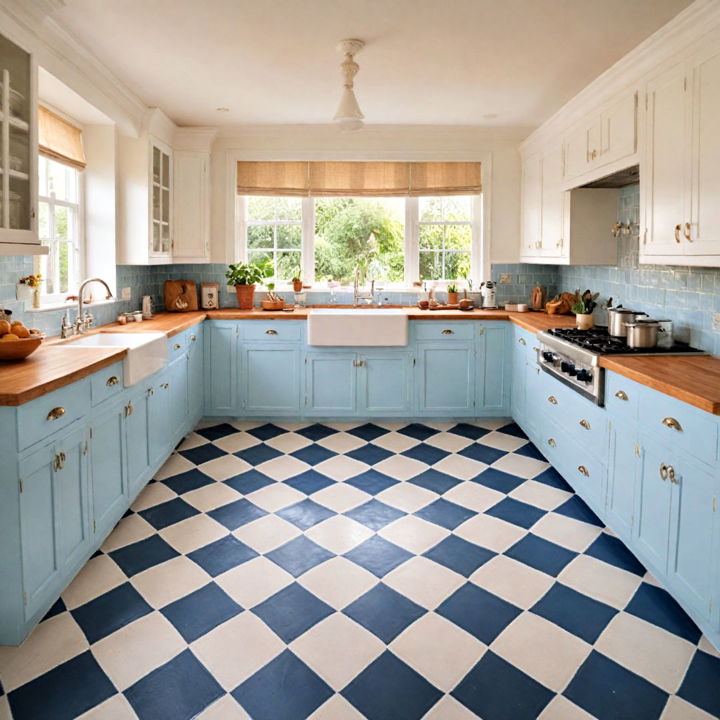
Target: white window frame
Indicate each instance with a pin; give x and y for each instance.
(77, 246)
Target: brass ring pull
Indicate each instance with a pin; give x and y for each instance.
(552, 443)
(271, 332)
(687, 233)
(621, 395)
(448, 332)
(522, 341)
(671, 475)
(56, 413)
(677, 233)
(552, 400)
(672, 423)
(112, 381)
(585, 424)
(177, 346)
(583, 470)
(663, 472)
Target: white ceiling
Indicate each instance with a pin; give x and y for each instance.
(510, 63)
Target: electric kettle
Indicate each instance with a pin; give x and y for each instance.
(487, 293)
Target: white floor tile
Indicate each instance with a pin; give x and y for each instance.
(565, 531)
(275, 497)
(336, 708)
(226, 708)
(449, 441)
(266, 533)
(288, 442)
(99, 575)
(174, 465)
(115, 708)
(162, 584)
(407, 497)
(224, 467)
(448, 708)
(460, 467)
(193, 533)
(338, 582)
(560, 708)
(490, 532)
(254, 581)
(414, 534)
(540, 495)
(283, 467)
(339, 534)
(340, 497)
(513, 581)
(341, 468)
(520, 465)
(425, 582)
(341, 442)
(401, 467)
(600, 580)
(209, 497)
(130, 529)
(501, 441)
(192, 440)
(237, 442)
(153, 494)
(474, 496)
(679, 709)
(396, 442)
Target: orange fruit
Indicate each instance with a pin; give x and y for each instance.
(4, 327)
(9, 337)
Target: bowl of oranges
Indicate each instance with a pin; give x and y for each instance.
(17, 341)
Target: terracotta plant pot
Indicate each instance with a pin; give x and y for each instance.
(585, 322)
(245, 296)
(452, 298)
(297, 285)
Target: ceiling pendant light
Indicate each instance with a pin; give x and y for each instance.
(349, 116)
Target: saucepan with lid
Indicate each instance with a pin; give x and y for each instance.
(619, 317)
(643, 333)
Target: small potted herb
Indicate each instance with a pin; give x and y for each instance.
(244, 277)
(583, 308)
(271, 300)
(297, 284)
(452, 293)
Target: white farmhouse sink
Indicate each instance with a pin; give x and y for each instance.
(146, 351)
(357, 327)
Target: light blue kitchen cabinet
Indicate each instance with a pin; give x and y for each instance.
(270, 379)
(158, 414)
(137, 446)
(384, 383)
(108, 467)
(492, 369)
(177, 394)
(331, 383)
(518, 382)
(221, 368)
(195, 382)
(445, 379)
(624, 465)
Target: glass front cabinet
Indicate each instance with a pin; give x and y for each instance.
(160, 199)
(18, 150)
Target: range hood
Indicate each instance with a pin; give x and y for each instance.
(621, 178)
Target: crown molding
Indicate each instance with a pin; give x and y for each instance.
(675, 36)
(194, 139)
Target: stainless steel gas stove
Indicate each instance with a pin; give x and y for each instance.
(573, 357)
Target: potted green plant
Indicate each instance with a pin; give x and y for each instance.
(271, 300)
(244, 277)
(297, 284)
(583, 308)
(452, 293)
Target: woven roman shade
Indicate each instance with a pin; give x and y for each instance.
(368, 179)
(59, 139)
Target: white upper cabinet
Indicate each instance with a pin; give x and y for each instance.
(531, 246)
(18, 151)
(161, 200)
(551, 205)
(192, 207)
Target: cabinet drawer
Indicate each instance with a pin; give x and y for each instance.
(441, 330)
(677, 424)
(106, 383)
(270, 331)
(622, 396)
(45, 415)
(177, 344)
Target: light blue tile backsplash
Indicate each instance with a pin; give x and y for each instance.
(687, 296)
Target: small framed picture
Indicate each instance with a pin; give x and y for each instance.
(210, 296)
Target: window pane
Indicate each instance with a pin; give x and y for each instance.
(44, 221)
(260, 236)
(430, 209)
(458, 237)
(287, 266)
(431, 237)
(430, 266)
(457, 209)
(457, 265)
(57, 180)
(42, 180)
(289, 236)
(259, 256)
(287, 208)
(61, 222)
(261, 208)
(63, 260)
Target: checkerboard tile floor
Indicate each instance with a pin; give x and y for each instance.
(286, 571)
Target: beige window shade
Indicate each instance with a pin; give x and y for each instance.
(59, 139)
(370, 179)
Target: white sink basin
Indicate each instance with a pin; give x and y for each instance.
(357, 327)
(146, 352)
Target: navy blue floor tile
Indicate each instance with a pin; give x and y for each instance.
(445, 513)
(305, 514)
(513, 429)
(498, 480)
(701, 686)
(575, 508)
(143, 554)
(496, 690)
(216, 432)
(222, 555)
(178, 690)
(435, 481)
(390, 690)
(369, 454)
(258, 454)
(63, 693)
(541, 554)
(478, 611)
(611, 550)
(299, 555)
(655, 605)
(202, 453)
(418, 431)
(292, 611)
(552, 478)
(249, 481)
(378, 556)
(368, 432)
(426, 453)
(313, 454)
(285, 689)
(610, 692)
(187, 481)
(374, 514)
(199, 612)
(372, 482)
(236, 514)
(309, 482)
(472, 432)
(482, 453)
(459, 555)
(516, 512)
(529, 450)
(57, 608)
(384, 612)
(577, 613)
(111, 611)
(316, 432)
(266, 432)
(168, 513)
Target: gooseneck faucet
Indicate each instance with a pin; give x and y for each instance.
(357, 294)
(84, 320)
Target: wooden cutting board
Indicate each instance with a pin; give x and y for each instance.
(180, 296)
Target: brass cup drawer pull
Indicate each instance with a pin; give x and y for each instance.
(112, 380)
(552, 443)
(56, 413)
(448, 332)
(129, 409)
(193, 338)
(672, 423)
(177, 346)
(663, 472)
(552, 400)
(583, 470)
(522, 341)
(585, 424)
(165, 386)
(677, 233)
(150, 391)
(671, 475)
(621, 395)
(59, 461)
(271, 332)
(687, 233)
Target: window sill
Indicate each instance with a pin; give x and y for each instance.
(54, 307)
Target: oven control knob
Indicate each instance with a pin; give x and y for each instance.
(584, 376)
(568, 367)
(548, 356)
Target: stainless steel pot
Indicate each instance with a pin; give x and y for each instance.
(642, 334)
(619, 317)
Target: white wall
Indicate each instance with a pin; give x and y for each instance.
(497, 150)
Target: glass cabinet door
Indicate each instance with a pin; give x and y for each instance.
(160, 238)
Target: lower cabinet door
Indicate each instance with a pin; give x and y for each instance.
(492, 369)
(331, 384)
(137, 458)
(270, 380)
(158, 419)
(108, 474)
(221, 371)
(195, 373)
(623, 477)
(384, 386)
(446, 379)
(177, 391)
